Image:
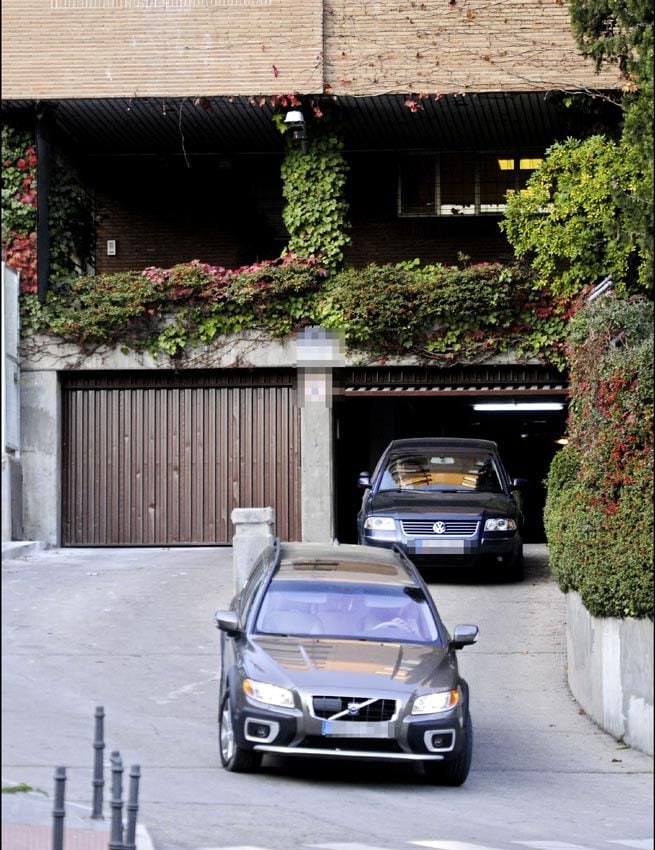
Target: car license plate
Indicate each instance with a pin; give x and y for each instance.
(450, 547)
(354, 729)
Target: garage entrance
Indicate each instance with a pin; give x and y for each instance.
(161, 458)
(376, 406)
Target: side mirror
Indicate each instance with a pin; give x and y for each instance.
(364, 480)
(228, 621)
(464, 636)
(518, 483)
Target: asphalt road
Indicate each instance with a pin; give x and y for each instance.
(132, 630)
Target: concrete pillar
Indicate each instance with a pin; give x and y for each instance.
(41, 456)
(253, 532)
(317, 473)
(318, 352)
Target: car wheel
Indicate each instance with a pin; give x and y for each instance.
(453, 772)
(516, 570)
(233, 757)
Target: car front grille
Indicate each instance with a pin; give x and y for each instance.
(451, 527)
(326, 707)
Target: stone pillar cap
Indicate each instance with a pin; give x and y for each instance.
(253, 515)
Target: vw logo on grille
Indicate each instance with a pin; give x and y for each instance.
(439, 527)
(353, 708)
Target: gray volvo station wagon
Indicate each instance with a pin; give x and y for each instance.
(338, 651)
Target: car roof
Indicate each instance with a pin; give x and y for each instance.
(343, 563)
(431, 443)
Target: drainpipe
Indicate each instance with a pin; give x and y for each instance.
(43, 171)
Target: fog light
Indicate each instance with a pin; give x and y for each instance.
(439, 741)
(261, 731)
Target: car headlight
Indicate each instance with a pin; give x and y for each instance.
(436, 702)
(380, 523)
(500, 524)
(270, 694)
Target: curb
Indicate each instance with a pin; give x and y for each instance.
(17, 550)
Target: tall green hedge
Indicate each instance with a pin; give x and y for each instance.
(599, 507)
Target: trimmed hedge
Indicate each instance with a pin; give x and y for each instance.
(599, 506)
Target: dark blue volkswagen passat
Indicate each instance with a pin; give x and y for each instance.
(444, 502)
(339, 652)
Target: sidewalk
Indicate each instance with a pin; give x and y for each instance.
(27, 824)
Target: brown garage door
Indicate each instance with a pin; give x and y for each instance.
(155, 458)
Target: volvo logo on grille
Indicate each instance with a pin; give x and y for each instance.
(353, 708)
(439, 527)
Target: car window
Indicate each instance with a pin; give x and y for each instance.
(251, 588)
(442, 471)
(340, 610)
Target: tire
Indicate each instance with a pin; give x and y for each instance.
(233, 757)
(516, 570)
(453, 772)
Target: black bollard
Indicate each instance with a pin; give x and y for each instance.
(98, 767)
(58, 812)
(116, 835)
(132, 808)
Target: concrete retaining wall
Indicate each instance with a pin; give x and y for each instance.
(610, 672)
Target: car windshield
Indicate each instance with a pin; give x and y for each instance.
(347, 610)
(442, 471)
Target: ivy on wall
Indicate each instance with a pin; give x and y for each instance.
(433, 313)
(315, 211)
(71, 214)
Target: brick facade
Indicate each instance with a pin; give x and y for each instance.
(187, 48)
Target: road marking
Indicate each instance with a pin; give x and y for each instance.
(347, 846)
(638, 844)
(452, 845)
(552, 845)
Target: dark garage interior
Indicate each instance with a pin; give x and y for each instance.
(365, 425)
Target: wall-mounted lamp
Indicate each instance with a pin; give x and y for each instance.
(296, 121)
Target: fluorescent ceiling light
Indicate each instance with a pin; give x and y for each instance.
(509, 406)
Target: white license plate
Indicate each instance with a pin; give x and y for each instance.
(355, 729)
(450, 547)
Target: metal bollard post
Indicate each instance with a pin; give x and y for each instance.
(58, 812)
(132, 808)
(98, 768)
(116, 835)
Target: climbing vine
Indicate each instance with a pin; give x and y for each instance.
(433, 313)
(71, 217)
(314, 176)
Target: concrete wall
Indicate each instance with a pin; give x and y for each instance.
(610, 672)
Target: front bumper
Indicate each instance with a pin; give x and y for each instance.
(297, 732)
(465, 551)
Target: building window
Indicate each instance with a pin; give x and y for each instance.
(447, 184)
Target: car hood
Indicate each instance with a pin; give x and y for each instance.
(394, 502)
(311, 663)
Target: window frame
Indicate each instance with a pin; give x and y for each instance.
(517, 154)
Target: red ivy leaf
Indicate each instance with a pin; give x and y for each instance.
(276, 73)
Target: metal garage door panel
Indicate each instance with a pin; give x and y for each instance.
(149, 463)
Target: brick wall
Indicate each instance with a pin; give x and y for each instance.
(163, 213)
(376, 46)
(123, 48)
(221, 212)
